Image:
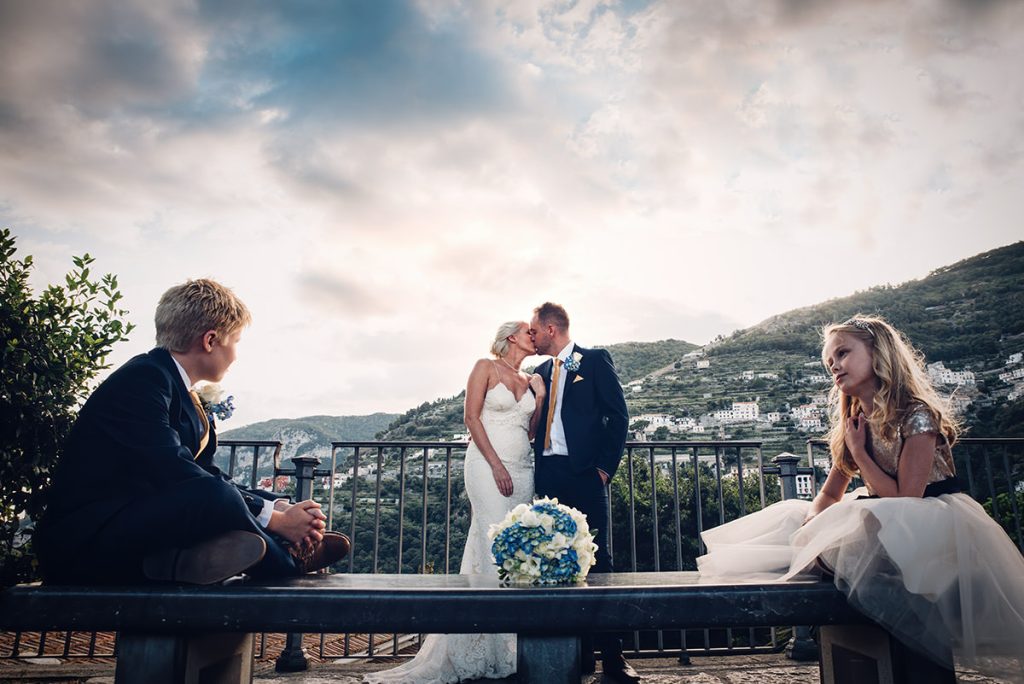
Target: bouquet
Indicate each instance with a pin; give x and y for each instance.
(214, 401)
(543, 543)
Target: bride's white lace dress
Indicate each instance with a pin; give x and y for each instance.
(450, 658)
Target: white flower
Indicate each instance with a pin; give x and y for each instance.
(211, 393)
(530, 519)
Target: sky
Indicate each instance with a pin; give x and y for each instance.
(384, 182)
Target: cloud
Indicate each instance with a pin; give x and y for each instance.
(379, 177)
(334, 293)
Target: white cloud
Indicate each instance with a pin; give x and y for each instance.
(384, 197)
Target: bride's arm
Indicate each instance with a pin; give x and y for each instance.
(476, 390)
(539, 393)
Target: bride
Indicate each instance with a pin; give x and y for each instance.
(502, 409)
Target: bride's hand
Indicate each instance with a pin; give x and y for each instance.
(537, 385)
(502, 479)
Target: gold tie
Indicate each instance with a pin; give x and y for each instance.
(204, 439)
(552, 402)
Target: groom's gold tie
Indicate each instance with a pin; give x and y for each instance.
(552, 402)
(204, 439)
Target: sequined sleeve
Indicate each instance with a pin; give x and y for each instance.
(918, 422)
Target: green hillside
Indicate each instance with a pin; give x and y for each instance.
(312, 433)
(969, 315)
(965, 313)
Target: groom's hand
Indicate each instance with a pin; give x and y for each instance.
(604, 477)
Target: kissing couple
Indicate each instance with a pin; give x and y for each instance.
(573, 411)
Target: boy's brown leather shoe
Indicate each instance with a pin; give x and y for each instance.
(331, 549)
(209, 562)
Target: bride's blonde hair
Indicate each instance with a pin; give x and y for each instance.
(901, 381)
(501, 344)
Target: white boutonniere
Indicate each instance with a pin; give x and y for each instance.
(216, 402)
(572, 364)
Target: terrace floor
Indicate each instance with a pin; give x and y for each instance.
(754, 669)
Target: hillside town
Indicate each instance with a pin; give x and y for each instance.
(811, 417)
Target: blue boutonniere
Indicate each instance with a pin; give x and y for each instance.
(572, 364)
(215, 403)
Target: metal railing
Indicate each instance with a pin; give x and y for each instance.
(404, 506)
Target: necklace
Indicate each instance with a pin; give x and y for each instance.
(502, 359)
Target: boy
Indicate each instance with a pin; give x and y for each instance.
(136, 495)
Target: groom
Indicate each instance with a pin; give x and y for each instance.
(580, 439)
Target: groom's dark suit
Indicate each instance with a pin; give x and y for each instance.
(595, 420)
(130, 482)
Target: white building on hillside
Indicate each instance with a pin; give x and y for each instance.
(656, 420)
(741, 411)
(1010, 376)
(941, 375)
(1014, 358)
(959, 403)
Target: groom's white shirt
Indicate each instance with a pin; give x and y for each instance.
(558, 441)
(268, 506)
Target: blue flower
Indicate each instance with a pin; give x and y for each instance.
(572, 364)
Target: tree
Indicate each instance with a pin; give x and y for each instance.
(51, 348)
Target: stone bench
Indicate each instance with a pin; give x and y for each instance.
(173, 633)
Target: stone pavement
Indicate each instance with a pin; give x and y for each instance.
(756, 669)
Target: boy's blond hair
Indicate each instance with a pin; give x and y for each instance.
(187, 311)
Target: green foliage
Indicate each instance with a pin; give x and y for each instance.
(634, 360)
(51, 348)
(1006, 508)
(675, 554)
(960, 313)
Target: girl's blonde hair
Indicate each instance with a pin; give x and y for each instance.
(901, 382)
(501, 344)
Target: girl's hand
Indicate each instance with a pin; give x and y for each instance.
(502, 479)
(856, 435)
(537, 385)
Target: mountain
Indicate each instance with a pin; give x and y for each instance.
(966, 313)
(969, 316)
(312, 435)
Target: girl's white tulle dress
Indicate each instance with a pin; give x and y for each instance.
(937, 572)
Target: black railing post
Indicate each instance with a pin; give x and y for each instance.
(293, 657)
(787, 474)
(801, 646)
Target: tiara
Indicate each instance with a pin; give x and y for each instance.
(861, 324)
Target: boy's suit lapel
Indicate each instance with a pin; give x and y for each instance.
(187, 423)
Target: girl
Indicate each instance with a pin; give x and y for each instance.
(908, 549)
